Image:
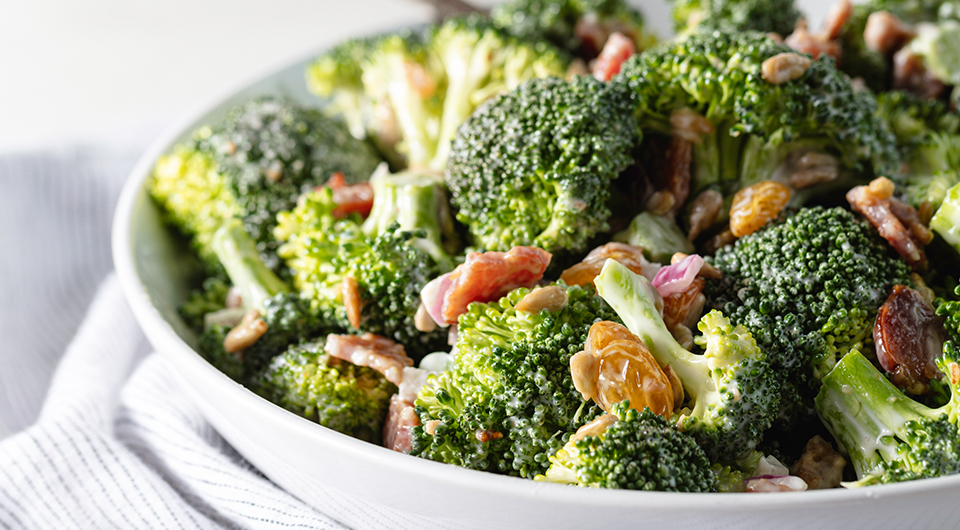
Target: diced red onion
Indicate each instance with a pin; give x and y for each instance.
(433, 295)
(677, 278)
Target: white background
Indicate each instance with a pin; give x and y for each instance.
(74, 68)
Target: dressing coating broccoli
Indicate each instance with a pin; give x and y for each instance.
(733, 391)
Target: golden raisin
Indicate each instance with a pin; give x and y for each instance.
(755, 205)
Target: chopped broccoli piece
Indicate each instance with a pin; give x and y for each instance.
(778, 16)
(389, 266)
(762, 130)
(252, 165)
(640, 451)
(535, 166)
(939, 45)
(577, 26)
(946, 221)
(210, 297)
(733, 391)
(509, 402)
(807, 287)
(888, 436)
(334, 393)
(658, 236)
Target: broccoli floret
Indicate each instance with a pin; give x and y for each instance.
(946, 221)
(808, 287)
(640, 451)
(658, 236)
(888, 436)
(389, 267)
(288, 318)
(558, 21)
(419, 87)
(252, 165)
(534, 166)
(733, 391)
(509, 403)
(939, 46)
(928, 134)
(334, 393)
(762, 130)
(210, 297)
(778, 16)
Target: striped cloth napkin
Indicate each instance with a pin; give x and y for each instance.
(114, 443)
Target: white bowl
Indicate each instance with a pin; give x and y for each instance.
(364, 485)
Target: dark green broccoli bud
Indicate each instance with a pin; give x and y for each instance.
(535, 166)
(658, 236)
(639, 451)
(733, 391)
(509, 403)
(763, 131)
(928, 134)
(579, 27)
(778, 16)
(389, 268)
(252, 165)
(211, 297)
(807, 287)
(888, 436)
(334, 393)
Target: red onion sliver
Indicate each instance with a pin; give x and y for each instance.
(677, 277)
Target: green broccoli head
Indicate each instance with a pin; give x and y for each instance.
(778, 16)
(338, 75)
(639, 451)
(389, 267)
(534, 166)
(807, 287)
(762, 129)
(210, 297)
(252, 165)
(509, 402)
(888, 436)
(733, 391)
(578, 27)
(334, 393)
(928, 134)
(946, 220)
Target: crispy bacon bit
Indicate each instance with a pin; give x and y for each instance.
(372, 351)
(909, 337)
(811, 44)
(553, 298)
(485, 436)
(595, 427)
(616, 51)
(911, 219)
(350, 290)
(756, 205)
(910, 73)
(622, 368)
(885, 33)
(820, 466)
(688, 124)
(246, 334)
(784, 67)
(875, 202)
(677, 306)
(356, 198)
(398, 427)
(704, 211)
(837, 17)
(629, 256)
(488, 276)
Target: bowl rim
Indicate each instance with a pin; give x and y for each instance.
(164, 338)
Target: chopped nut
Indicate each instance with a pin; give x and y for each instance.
(583, 368)
(351, 300)
(837, 17)
(784, 67)
(246, 334)
(820, 466)
(431, 427)
(704, 212)
(882, 188)
(660, 202)
(486, 436)
(423, 321)
(553, 298)
(885, 33)
(595, 427)
(676, 177)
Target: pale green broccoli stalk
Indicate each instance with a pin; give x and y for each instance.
(733, 392)
(658, 236)
(239, 256)
(535, 166)
(334, 393)
(777, 16)
(946, 221)
(639, 451)
(888, 436)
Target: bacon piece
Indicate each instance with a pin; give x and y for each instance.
(372, 351)
(837, 17)
(355, 198)
(875, 203)
(629, 256)
(616, 51)
(398, 428)
(488, 276)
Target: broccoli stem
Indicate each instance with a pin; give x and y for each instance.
(632, 297)
(864, 411)
(946, 221)
(239, 255)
